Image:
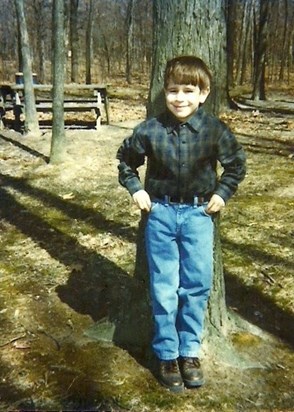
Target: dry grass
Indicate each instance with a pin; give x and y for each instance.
(67, 246)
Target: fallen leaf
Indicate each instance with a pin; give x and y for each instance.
(68, 196)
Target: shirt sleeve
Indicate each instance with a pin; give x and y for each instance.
(131, 156)
(233, 160)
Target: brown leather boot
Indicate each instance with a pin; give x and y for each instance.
(170, 375)
(191, 372)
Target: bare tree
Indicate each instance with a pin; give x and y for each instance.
(40, 13)
(285, 40)
(58, 133)
(74, 40)
(260, 49)
(243, 51)
(130, 29)
(89, 42)
(31, 115)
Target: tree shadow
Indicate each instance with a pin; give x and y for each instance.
(258, 309)
(251, 303)
(96, 286)
(89, 289)
(25, 148)
(117, 302)
(70, 208)
(10, 394)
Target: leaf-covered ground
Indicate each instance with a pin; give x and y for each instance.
(67, 247)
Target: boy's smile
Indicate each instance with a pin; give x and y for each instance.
(183, 100)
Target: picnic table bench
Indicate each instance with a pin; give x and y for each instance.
(74, 101)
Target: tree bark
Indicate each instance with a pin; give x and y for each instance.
(31, 115)
(189, 27)
(58, 133)
(186, 27)
(231, 34)
(285, 42)
(89, 43)
(74, 40)
(130, 28)
(40, 16)
(243, 53)
(260, 49)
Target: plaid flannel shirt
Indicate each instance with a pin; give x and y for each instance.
(182, 157)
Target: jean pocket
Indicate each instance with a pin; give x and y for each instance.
(154, 206)
(204, 212)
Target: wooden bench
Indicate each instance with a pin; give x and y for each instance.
(73, 102)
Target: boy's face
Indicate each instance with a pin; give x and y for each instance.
(183, 100)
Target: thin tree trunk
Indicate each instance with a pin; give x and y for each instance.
(31, 115)
(89, 43)
(130, 28)
(74, 40)
(284, 42)
(58, 133)
(231, 33)
(243, 53)
(260, 50)
(40, 41)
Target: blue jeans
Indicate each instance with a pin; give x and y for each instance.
(179, 246)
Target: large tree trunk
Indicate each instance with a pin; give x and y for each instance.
(31, 115)
(58, 133)
(195, 27)
(186, 27)
(198, 28)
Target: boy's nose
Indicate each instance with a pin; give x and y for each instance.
(180, 95)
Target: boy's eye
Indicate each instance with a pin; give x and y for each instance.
(185, 90)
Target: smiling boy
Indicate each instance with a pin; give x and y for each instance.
(182, 193)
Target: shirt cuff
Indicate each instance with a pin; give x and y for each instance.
(133, 185)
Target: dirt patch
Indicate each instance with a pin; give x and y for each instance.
(67, 246)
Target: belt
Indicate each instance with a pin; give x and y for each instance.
(193, 200)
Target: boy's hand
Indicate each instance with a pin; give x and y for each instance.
(142, 200)
(215, 204)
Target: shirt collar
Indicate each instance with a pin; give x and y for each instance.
(172, 123)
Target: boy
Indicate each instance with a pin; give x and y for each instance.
(181, 195)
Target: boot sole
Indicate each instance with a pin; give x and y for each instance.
(174, 389)
(193, 384)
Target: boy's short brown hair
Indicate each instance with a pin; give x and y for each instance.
(187, 70)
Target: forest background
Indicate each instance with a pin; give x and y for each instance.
(119, 36)
(65, 244)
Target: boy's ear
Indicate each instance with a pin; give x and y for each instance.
(204, 94)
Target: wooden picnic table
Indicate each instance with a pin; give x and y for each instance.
(73, 103)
